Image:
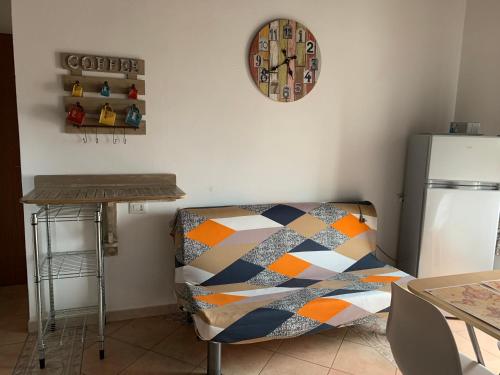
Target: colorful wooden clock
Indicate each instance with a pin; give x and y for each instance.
(284, 60)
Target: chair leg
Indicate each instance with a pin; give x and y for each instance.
(214, 358)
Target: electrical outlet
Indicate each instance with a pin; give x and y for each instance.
(137, 208)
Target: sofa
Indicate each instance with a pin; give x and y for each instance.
(252, 273)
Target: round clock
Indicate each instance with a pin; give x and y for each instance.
(284, 60)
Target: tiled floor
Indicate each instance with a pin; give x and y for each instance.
(161, 345)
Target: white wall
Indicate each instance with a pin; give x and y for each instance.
(5, 17)
(479, 83)
(389, 69)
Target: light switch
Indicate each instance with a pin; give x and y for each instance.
(137, 208)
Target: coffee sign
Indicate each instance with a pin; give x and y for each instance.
(95, 63)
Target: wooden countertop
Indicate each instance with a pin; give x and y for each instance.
(419, 287)
(112, 188)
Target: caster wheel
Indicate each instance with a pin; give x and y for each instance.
(101, 354)
(42, 363)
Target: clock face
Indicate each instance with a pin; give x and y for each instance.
(284, 60)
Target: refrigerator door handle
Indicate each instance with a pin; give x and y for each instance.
(462, 185)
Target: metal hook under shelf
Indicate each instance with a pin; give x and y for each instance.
(85, 139)
(115, 138)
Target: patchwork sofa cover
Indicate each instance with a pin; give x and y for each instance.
(260, 272)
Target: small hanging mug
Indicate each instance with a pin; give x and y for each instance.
(107, 116)
(105, 91)
(76, 114)
(133, 117)
(77, 89)
(132, 94)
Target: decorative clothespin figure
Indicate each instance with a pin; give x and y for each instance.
(77, 89)
(105, 91)
(76, 114)
(132, 94)
(107, 116)
(133, 117)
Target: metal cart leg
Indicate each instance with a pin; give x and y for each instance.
(52, 311)
(214, 358)
(475, 343)
(38, 291)
(100, 280)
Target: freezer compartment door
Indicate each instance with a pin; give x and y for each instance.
(459, 231)
(464, 158)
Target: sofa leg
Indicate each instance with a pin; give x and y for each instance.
(214, 358)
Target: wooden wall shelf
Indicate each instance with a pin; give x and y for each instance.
(91, 126)
(94, 84)
(78, 64)
(94, 105)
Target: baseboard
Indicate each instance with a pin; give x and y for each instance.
(117, 315)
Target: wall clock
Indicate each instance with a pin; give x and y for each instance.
(284, 60)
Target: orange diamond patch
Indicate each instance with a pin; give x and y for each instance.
(289, 265)
(210, 233)
(350, 226)
(323, 309)
(380, 279)
(220, 299)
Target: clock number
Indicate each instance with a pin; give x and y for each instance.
(257, 60)
(287, 32)
(273, 88)
(273, 34)
(308, 76)
(314, 64)
(264, 75)
(298, 87)
(310, 47)
(286, 92)
(300, 36)
(263, 45)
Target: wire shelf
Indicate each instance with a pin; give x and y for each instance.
(69, 264)
(83, 212)
(65, 318)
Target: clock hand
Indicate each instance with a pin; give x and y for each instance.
(287, 61)
(277, 66)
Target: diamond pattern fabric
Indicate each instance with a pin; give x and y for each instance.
(259, 272)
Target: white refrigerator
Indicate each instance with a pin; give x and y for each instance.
(451, 205)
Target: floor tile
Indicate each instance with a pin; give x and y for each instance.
(280, 364)
(8, 357)
(13, 329)
(352, 336)
(492, 361)
(199, 371)
(337, 333)
(270, 344)
(244, 359)
(152, 363)
(118, 356)
(338, 372)
(183, 345)
(486, 342)
(457, 325)
(360, 359)
(146, 332)
(317, 348)
(110, 327)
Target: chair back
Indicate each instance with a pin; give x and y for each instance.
(420, 338)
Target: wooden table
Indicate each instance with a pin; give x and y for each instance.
(113, 188)
(106, 189)
(419, 287)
